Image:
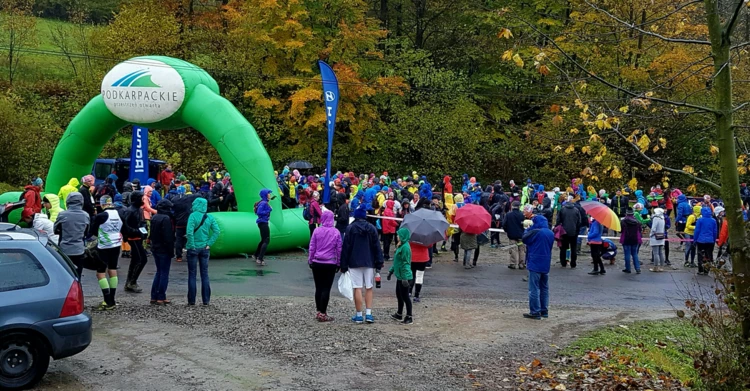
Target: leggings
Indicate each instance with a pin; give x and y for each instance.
(455, 243)
(323, 274)
(387, 240)
(137, 262)
(705, 255)
(265, 239)
(569, 242)
(416, 283)
(596, 255)
(476, 255)
(402, 295)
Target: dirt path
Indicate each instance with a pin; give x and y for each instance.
(274, 343)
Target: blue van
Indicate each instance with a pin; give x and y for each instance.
(121, 167)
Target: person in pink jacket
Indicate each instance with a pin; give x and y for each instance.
(315, 214)
(148, 211)
(324, 260)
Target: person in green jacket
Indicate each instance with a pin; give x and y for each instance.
(202, 232)
(62, 195)
(402, 269)
(52, 204)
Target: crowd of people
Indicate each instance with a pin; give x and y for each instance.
(358, 229)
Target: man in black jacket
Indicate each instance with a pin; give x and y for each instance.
(361, 254)
(620, 204)
(162, 247)
(88, 198)
(134, 229)
(182, 206)
(570, 219)
(582, 226)
(513, 227)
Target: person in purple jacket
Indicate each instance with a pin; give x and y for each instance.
(263, 210)
(324, 260)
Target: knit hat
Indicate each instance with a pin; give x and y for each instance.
(718, 210)
(90, 179)
(38, 182)
(183, 178)
(105, 200)
(360, 212)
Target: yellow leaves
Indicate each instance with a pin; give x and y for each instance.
(587, 171)
(616, 174)
(574, 131)
(570, 149)
(557, 148)
(507, 55)
(663, 143)
(688, 169)
(557, 120)
(261, 101)
(540, 57)
(624, 109)
(742, 170)
(595, 138)
(643, 143)
(584, 116)
(603, 122)
(714, 150)
(633, 184)
(518, 60)
(655, 149)
(595, 178)
(544, 70)
(655, 167)
(554, 109)
(642, 103)
(692, 189)
(505, 33)
(649, 94)
(586, 150)
(578, 103)
(741, 159)
(301, 97)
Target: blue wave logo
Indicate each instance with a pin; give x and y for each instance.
(140, 78)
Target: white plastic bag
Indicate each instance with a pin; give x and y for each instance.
(345, 286)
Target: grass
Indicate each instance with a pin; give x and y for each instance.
(44, 66)
(656, 345)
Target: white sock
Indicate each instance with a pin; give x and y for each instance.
(368, 311)
(359, 314)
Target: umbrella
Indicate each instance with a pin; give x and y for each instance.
(603, 214)
(300, 165)
(473, 219)
(427, 226)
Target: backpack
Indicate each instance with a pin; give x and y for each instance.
(375, 203)
(307, 212)
(101, 191)
(255, 207)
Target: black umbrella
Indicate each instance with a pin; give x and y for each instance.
(427, 226)
(300, 165)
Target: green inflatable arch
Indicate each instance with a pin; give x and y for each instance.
(167, 93)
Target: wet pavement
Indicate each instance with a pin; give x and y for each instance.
(287, 274)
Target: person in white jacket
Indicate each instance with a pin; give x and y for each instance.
(43, 224)
(656, 239)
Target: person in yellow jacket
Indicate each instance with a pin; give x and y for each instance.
(381, 197)
(52, 204)
(62, 195)
(690, 247)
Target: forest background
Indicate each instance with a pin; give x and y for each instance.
(497, 89)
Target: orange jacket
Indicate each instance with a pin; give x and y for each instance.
(723, 233)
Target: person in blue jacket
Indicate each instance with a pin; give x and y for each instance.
(705, 235)
(684, 210)
(594, 239)
(642, 200)
(538, 240)
(263, 210)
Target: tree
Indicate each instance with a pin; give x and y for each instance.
(18, 31)
(701, 43)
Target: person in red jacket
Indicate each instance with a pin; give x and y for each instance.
(165, 178)
(32, 194)
(389, 228)
(420, 255)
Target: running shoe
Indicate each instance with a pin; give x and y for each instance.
(408, 320)
(357, 319)
(369, 319)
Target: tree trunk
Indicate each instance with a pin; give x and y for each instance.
(730, 189)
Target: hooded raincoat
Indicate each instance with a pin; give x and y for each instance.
(326, 242)
(205, 235)
(401, 267)
(263, 209)
(72, 186)
(706, 228)
(539, 240)
(55, 208)
(72, 226)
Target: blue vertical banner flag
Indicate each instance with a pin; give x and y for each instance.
(331, 97)
(139, 155)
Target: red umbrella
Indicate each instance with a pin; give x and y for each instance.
(473, 219)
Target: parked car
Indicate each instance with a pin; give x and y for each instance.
(121, 167)
(41, 307)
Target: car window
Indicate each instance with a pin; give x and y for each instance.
(65, 262)
(102, 170)
(20, 270)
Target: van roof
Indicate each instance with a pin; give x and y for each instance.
(127, 160)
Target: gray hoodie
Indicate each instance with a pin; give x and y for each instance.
(72, 225)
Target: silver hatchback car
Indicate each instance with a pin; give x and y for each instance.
(41, 307)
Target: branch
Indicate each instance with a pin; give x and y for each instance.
(732, 22)
(606, 82)
(646, 32)
(740, 107)
(643, 155)
(676, 10)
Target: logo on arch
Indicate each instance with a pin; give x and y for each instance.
(143, 91)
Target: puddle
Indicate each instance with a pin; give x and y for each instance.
(251, 273)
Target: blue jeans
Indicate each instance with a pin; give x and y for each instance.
(193, 257)
(538, 293)
(161, 278)
(581, 231)
(631, 250)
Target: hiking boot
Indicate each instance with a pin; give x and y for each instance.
(397, 316)
(532, 316)
(594, 272)
(626, 271)
(511, 266)
(133, 288)
(545, 315)
(408, 320)
(638, 272)
(602, 272)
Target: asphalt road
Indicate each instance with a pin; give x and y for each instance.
(287, 274)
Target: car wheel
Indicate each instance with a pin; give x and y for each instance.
(24, 359)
